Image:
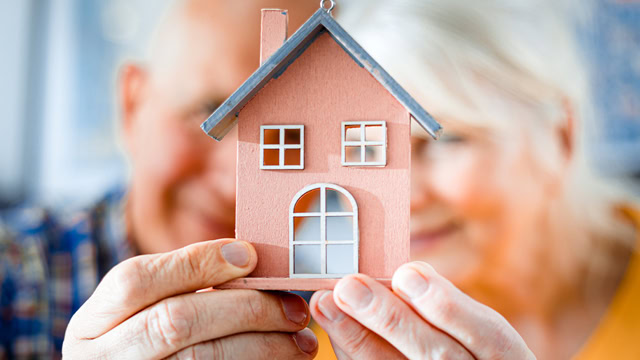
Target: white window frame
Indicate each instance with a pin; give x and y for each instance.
(323, 214)
(281, 147)
(363, 143)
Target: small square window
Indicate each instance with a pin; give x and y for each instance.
(281, 147)
(352, 154)
(364, 143)
(271, 157)
(353, 133)
(292, 157)
(272, 136)
(292, 136)
(373, 133)
(374, 154)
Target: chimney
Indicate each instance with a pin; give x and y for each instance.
(273, 33)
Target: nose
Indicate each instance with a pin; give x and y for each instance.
(419, 197)
(421, 191)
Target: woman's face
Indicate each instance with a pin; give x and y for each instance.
(477, 202)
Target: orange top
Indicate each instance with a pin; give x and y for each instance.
(617, 335)
(615, 338)
(325, 350)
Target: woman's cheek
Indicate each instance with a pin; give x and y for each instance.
(468, 181)
(459, 178)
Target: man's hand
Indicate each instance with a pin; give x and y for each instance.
(424, 317)
(147, 307)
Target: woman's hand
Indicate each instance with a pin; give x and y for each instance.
(147, 307)
(423, 317)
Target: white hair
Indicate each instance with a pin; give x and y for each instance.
(524, 52)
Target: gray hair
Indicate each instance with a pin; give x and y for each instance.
(524, 52)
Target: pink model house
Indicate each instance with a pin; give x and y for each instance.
(324, 158)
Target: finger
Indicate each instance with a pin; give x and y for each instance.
(185, 320)
(348, 337)
(381, 311)
(267, 346)
(337, 350)
(484, 332)
(144, 280)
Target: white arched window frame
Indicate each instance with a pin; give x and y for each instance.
(322, 241)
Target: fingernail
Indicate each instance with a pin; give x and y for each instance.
(295, 309)
(236, 253)
(410, 282)
(354, 293)
(328, 308)
(306, 340)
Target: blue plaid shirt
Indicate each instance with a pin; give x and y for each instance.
(50, 263)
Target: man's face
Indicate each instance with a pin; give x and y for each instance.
(183, 182)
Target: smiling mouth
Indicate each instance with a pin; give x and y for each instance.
(430, 237)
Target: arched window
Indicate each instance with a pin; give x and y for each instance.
(323, 232)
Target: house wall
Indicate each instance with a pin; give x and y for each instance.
(322, 88)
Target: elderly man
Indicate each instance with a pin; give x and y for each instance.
(181, 194)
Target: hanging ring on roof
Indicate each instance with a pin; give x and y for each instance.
(327, 9)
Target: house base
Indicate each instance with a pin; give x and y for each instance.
(290, 284)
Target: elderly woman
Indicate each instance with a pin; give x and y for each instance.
(505, 205)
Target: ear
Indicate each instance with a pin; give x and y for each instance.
(132, 81)
(566, 130)
(564, 133)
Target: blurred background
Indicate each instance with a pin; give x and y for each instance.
(58, 116)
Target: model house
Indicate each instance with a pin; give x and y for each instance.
(324, 158)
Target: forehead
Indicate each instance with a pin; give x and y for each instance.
(200, 50)
(217, 41)
(466, 104)
(197, 34)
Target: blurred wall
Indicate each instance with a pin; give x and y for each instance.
(58, 138)
(78, 154)
(614, 48)
(14, 37)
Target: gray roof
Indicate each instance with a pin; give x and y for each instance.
(225, 117)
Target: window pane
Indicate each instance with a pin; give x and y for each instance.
(339, 228)
(306, 259)
(374, 133)
(292, 157)
(309, 202)
(353, 133)
(306, 228)
(374, 154)
(271, 157)
(292, 136)
(352, 154)
(272, 136)
(337, 202)
(340, 259)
